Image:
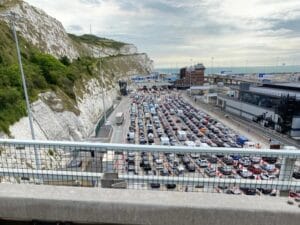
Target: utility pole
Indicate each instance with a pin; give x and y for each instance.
(37, 157)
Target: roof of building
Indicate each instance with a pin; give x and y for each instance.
(199, 66)
(275, 92)
(285, 85)
(204, 87)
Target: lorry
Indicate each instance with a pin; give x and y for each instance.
(119, 118)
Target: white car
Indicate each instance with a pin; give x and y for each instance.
(265, 176)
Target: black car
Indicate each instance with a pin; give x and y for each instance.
(155, 185)
(212, 159)
(171, 186)
(296, 175)
(270, 160)
(191, 167)
(228, 160)
(249, 191)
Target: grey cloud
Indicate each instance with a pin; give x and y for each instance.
(75, 28)
(91, 2)
(293, 25)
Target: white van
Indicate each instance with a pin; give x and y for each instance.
(164, 141)
(181, 135)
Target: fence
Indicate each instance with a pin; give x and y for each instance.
(101, 121)
(181, 168)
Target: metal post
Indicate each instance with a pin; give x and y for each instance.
(37, 158)
(191, 77)
(102, 86)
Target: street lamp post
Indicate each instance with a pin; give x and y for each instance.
(102, 86)
(37, 157)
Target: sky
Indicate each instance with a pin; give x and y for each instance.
(177, 33)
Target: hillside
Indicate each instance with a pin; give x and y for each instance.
(62, 74)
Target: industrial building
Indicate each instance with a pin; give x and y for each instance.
(191, 76)
(276, 106)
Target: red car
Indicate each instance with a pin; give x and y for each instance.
(255, 169)
(294, 194)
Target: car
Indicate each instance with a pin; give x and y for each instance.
(234, 191)
(212, 159)
(270, 160)
(294, 194)
(170, 186)
(131, 160)
(265, 176)
(185, 160)
(143, 162)
(249, 191)
(195, 155)
(268, 167)
(155, 185)
(228, 160)
(225, 170)
(255, 159)
(143, 141)
(245, 161)
(271, 192)
(202, 163)
(158, 161)
(164, 172)
(131, 168)
(296, 175)
(235, 156)
(244, 173)
(211, 172)
(191, 167)
(255, 169)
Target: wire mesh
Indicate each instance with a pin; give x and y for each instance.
(206, 157)
(151, 167)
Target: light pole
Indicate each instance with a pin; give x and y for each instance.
(191, 77)
(37, 157)
(212, 65)
(102, 86)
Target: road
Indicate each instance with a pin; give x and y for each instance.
(119, 131)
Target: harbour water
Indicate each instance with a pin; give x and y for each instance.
(240, 70)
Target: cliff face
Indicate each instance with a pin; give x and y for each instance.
(53, 121)
(56, 115)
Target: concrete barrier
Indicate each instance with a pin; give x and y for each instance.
(96, 206)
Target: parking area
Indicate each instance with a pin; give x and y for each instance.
(163, 117)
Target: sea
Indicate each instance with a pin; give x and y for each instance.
(240, 70)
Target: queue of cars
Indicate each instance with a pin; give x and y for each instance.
(170, 120)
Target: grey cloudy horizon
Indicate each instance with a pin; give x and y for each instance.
(177, 33)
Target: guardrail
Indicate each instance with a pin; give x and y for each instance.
(149, 166)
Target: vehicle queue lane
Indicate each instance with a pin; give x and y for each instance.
(169, 164)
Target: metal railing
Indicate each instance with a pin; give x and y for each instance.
(179, 168)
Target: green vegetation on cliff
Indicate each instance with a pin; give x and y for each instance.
(43, 73)
(97, 41)
(46, 73)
